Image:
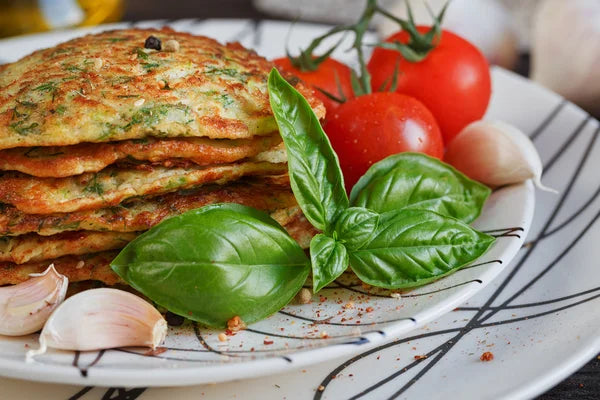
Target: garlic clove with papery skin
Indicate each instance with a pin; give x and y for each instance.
(24, 308)
(102, 319)
(495, 153)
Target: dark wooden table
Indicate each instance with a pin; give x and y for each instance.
(584, 384)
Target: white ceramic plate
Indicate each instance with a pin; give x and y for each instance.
(196, 356)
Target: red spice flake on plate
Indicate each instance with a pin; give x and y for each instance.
(369, 309)
(420, 357)
(487, 356)
(267, 342)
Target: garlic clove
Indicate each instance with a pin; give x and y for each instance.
(24, 308)
(102, 319)
(495, 153)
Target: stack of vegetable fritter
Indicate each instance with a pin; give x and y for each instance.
(104, 136)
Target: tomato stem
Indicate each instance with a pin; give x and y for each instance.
(417, 48)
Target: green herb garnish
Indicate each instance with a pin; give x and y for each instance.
(47, 87)
(229, 260)
(149, 66)
(150, 116)
(387, 246)
(73, 68)
(94, 186)
(28, 104)
(23, 129)
(230, 72)
(141, 53)
(418, 181)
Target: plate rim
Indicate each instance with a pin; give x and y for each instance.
(17, 369)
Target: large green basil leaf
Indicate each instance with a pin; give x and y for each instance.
(216, 262)
(355, 226)
(417, 181)
(329, 260)
(314, 169)
(413, 247)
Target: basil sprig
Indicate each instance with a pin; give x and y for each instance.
(214, 263)
(403, 230)
(418, 181)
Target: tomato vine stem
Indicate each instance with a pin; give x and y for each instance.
(417, 48)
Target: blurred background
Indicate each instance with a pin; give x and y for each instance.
(554, 42)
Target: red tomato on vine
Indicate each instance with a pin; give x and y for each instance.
(452, 80)
(371, 127)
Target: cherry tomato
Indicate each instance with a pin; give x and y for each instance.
(369, 128)
(324, 78)
(453, 81)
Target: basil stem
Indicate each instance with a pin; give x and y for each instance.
(314, 169)
(214, 263)
(410, 248)
(417, 181)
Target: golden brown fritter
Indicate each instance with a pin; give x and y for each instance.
(33, 247)
(142, 213)
(108, 87)
(111, 186)
(88, 267)
(97, 266)
(301, 230)
(62, 161)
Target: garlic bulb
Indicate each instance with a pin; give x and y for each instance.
(565, 53)
(102, 319)
(24, 308)
(495, 153)
(485, 23)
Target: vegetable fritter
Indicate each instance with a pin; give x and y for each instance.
(108, 87)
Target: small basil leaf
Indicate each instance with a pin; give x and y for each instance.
(314, 169)
(355, 226)
(216, 262)
(329, 260)
(417, 181)
(413, 247)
